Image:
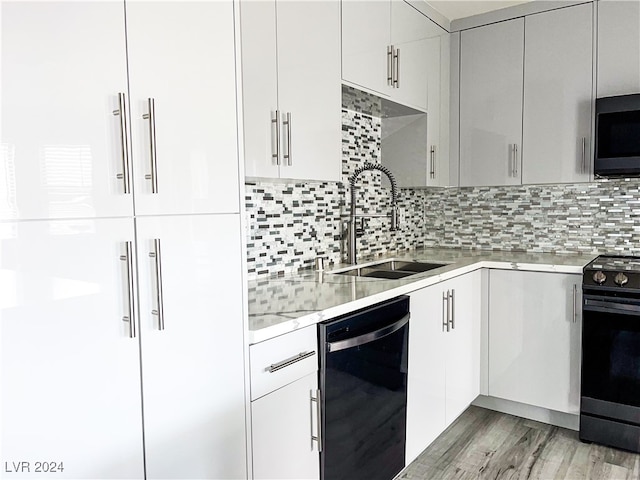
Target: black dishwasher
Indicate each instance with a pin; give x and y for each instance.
(363, 379)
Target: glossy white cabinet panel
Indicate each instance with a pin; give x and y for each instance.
(366, 34)
(618, 47)
(463, 352)
(438, 63)
(283, 423)
(491, 83)
(411, 33)
(259, 87)
(181, 54)
(534, 338)
(303, 141)
(63, 65)
(192, 359)
(426, 384)
(310, 91)
(444, 362)
(70, 372)
(301, 346)
(558, 82)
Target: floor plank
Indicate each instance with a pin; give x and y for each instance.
(487, 445)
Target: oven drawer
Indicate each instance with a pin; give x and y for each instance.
(282, 360)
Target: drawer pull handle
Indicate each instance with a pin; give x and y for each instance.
(289, 361)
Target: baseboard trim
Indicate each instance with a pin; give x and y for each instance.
(544, 415)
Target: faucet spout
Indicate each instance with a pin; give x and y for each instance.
(351, 253)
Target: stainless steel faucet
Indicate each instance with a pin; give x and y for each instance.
(351, 253)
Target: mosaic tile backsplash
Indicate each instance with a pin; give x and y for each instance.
(290, 224)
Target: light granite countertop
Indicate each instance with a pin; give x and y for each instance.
(283, 304)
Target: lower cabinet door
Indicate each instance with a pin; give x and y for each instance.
(69, 364)
(444, 357)
(283, 423)
(192, 354)
(463, 343)
(426, 382)
(534, 338)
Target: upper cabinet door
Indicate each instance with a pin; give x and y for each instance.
(558, 84)
(69, 364)
(491, 82)
(365, 38)
(61, 147)
(182, 61)
(262, 155)
(618, 47)
(411, 34)
(309, 91)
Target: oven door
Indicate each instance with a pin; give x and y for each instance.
(610, 389)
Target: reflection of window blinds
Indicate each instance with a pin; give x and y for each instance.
(8, 208)
(65, 166)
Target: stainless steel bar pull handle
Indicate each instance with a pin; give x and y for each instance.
(124, 144)
(318, 437)
(584, 155)
(432, 158)
(575, 297)
(131, 308)
(396, 58)
(515, 159)
(452, 300)
(445, 311)
(390, 65)
(287, 156)
(274, 367)
(151, 116)
(157, 256)
(275, 130)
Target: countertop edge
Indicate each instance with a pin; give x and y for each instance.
(266, 333)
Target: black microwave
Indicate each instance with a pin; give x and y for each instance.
(617, 150)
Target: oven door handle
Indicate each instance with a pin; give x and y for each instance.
(612, 307)
(368, 337)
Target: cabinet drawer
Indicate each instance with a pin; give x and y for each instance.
(282, 360)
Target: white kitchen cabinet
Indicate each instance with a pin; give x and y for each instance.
(491, 84)
(181, 56)
(558, 84)
(438, 62)
(411, 35)
(192, 355)
(75, 145)
(284, 412)
(63, 65)
(282, 429)
(415, 145)
(385, 49)
(534, 338)
(70, 369)
(444, 357)
(526, 89)
(71, 372)
(76, 378)
(618, 47)
(366, 37)
(291, 89)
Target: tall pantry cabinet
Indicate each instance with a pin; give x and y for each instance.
(121, 341)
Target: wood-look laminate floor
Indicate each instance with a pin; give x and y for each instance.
(483, 444)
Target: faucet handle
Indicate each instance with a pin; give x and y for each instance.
(394, 217)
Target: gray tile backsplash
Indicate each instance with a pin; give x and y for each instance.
(290, 224)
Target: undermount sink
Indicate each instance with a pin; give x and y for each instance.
(389, 269)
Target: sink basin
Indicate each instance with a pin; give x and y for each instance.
(389, 269)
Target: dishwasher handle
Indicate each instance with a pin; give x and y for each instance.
(368, 337)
